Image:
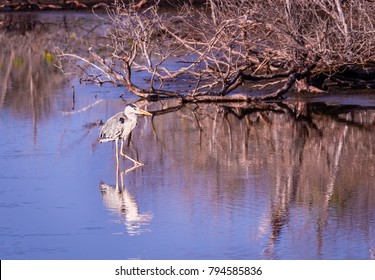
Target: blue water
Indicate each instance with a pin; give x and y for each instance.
(266, 185)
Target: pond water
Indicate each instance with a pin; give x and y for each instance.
(286, 180)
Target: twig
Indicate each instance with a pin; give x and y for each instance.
(83, 109)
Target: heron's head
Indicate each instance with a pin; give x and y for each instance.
(134, 109)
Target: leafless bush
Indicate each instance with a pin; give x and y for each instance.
(219, 47)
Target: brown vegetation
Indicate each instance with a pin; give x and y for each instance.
(21, 5)
(315, 45)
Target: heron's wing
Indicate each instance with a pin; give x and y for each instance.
(113, 128)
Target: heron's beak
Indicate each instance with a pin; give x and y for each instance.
(144, 112)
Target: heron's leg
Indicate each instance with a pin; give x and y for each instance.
(122, 148)
(136, 163)
(131, 168)
(117, 173)
(117, 161)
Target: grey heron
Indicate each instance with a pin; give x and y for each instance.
(119, 126)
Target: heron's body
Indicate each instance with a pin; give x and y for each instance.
(119, 126)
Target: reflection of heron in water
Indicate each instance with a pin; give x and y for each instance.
(120, 201)
(119, 126)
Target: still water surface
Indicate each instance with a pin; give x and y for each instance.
(290, 180)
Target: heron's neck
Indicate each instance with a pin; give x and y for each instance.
(131, 116)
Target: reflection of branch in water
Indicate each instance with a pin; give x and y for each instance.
(83, 133)
(121, 202)
(88, 126)
(330, 188)
(197, 120)
(5, 80)
(160, 112)
(166, 110)
(290, 158)
(301, 149)
(335, 168)
(286, 182)
(82, 109)
(32, 94)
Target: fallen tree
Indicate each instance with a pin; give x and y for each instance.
(228, 49)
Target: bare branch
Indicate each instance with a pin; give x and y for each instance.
(210, 53)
